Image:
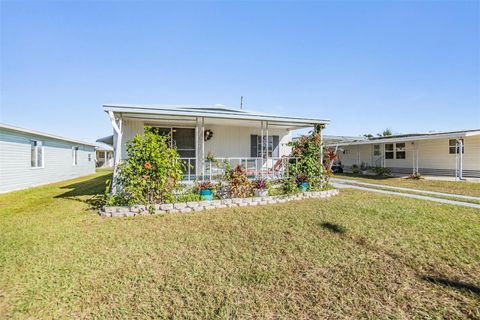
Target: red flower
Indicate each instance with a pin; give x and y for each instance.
(148, 165)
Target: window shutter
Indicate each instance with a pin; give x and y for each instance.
(253, 145)
(276, 149)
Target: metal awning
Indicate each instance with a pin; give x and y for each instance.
(411, 137)
(191, 112)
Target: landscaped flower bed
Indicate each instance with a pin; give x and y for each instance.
(197, 206)
(148, 181)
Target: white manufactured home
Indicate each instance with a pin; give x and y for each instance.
(454, 153)
(104, 154)
(207, 135)
(30, 158)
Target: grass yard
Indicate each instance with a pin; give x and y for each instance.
(354, 255)
(454, 187)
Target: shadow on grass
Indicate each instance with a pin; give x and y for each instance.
(333, 227)
(89, 191)
(452, 283)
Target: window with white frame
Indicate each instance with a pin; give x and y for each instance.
(75, 156)
(454, 146)
(376, 150)
(400, 150)
(389, 151)
(36, 154)
(272, 146)
(89, 157)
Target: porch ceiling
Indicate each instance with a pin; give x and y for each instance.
(189, 121)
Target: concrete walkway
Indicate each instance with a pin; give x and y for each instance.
(378, 185)
(338, 184)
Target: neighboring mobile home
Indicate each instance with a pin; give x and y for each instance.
(30, 158)
(207, 135)
(104, 154)
(454, 153)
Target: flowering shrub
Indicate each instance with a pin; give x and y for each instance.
(151, 173)
(308, 150)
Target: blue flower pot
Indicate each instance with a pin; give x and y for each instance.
(303, 186)
(206, 194)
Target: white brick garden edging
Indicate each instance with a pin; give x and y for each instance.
(195, 206)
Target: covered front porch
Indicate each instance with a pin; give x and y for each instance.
(211, 140)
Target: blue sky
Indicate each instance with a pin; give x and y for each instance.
(409, 66)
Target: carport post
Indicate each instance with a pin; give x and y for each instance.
(461, 159)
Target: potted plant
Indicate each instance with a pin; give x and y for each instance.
(260, 187)
(302, 182)
(205, 188)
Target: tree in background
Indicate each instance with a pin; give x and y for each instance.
(387, 132)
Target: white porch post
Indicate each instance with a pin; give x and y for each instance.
(203, 147)
(321, 149)
(456, 159)
(461, 159)
(105, 164)
(261, 146)
(117, 127)
(358, 155)
(383, 158)
(266, 155)
(197, 152)
(413, 157)
(417, 158)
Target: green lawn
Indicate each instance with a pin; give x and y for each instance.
(354, 255)
(453, 187)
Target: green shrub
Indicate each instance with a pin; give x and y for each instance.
(382, 172)
(188, 194)
(151, 172)
(289, 186)
(355, 169)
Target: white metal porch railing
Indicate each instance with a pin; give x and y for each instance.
(214, 170)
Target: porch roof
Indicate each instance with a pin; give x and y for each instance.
(410, 137)
(208, 111)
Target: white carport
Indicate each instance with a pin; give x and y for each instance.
(419, 144)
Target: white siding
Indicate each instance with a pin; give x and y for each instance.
(15, 168)
(432, 154)
(226, 141)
